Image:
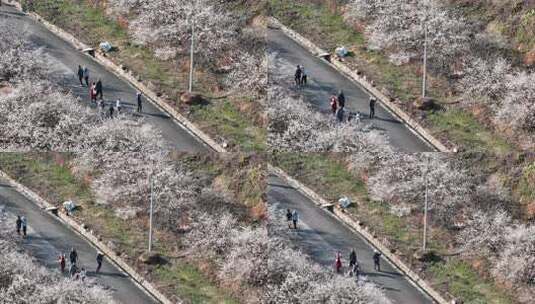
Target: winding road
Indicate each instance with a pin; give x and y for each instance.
(48, 237)
(324, 81)
(64, 64)
(322, 234)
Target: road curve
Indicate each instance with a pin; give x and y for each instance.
(321, 235)
(47, 237)
(65, 60)
(324, 80)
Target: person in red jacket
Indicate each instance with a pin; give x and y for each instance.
(338, 262)
(62, 262)
(334, 104)
(93, 92)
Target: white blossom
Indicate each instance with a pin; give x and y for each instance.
(400, 179)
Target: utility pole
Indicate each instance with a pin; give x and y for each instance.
(150, 214)
(424, 246)
(191, 51)
(424, 80)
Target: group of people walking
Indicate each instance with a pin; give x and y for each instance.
(74, 271)
(336, 101)
(354, 267)
(292, 217)
(96, 94)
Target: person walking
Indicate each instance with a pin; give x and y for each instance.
(82, 274)
(139, 102)
(334, 104)
(355, 271)
(353, 116)
(118, 105)
(99, 105)
(111, 110)
(86, 75)
(338, 262)
(295, 218)
(298, 76)
(93, 93)
(98, 88)
(373, 101)
(289, 218)
(352, 257)
(340, 114)
(73, 256)
(81, 75)
(303, 77)
(61, 261)
(100, 258)
(102, 104)
(18, 222)
(24, 224)
(377, 260)
(341, 99)
(73, 270)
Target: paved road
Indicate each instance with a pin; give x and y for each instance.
(324, 234)
(323, 81)
(66, 60)
(47, 237)
(321, 235)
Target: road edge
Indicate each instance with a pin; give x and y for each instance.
(361, 81)
(145, 285)
(190, 127)
(127, 76)
(347, 220)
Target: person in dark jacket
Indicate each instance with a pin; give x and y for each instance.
(340, 114)
(98, 87)
(139, 102)
(298, 73)
(100, 257)
(19, 224)
(373, 101)
(73, 256)
(86, 75)
(289, 218)
(341, 99)
(377, 260)
(111, 110)
(81, 75)
(352, 257)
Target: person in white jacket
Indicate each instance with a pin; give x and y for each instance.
(118, 106)
(295, 218)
